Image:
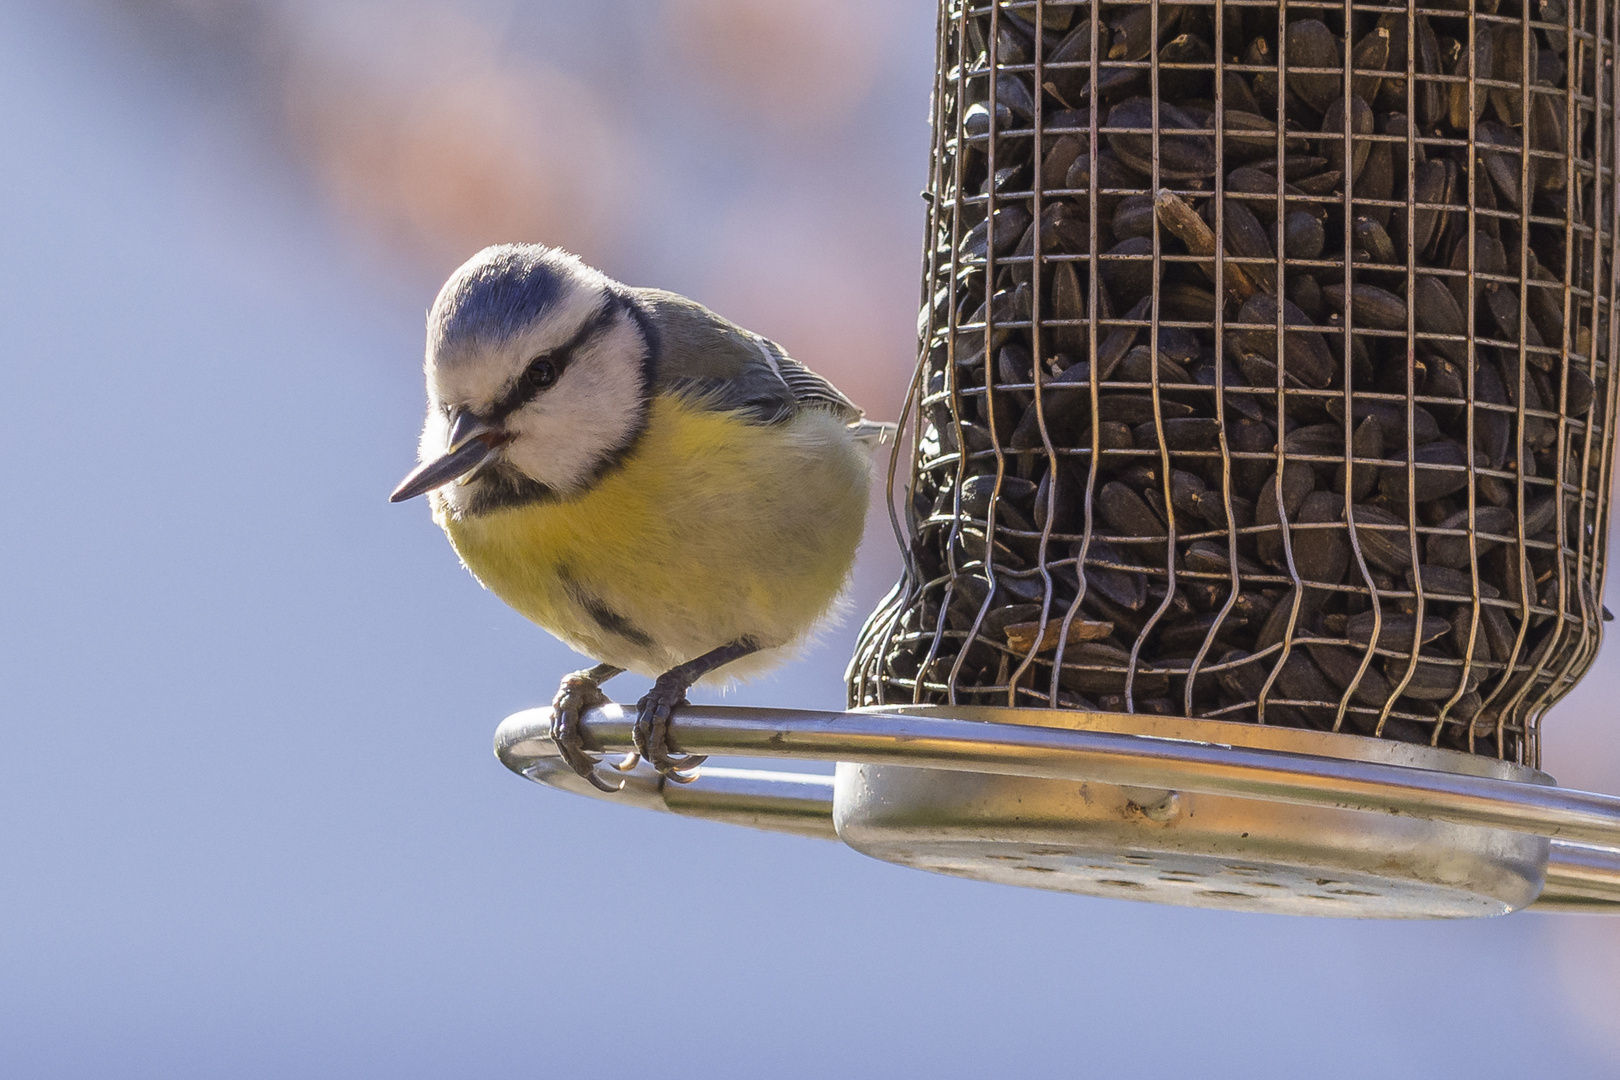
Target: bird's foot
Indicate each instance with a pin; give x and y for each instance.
(651, 734)
(580, 691)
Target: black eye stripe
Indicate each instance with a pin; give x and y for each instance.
(534, 379)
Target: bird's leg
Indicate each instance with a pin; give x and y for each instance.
(651, 732)
(579, 691)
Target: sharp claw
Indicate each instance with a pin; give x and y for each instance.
(652, 721)
(576, 694)
(684, 771)
(582, 763)
(585, 765)
(603, 785)
(628, 762)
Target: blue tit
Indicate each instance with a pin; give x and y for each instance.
(661, 489)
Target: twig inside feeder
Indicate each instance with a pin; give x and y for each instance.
(1190, 229)
(1020, 636)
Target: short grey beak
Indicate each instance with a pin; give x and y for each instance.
(472, 443)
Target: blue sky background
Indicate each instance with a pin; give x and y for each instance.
(250, 825)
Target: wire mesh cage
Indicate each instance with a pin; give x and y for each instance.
(1264, 370)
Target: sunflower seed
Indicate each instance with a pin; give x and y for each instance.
(1343, 667)
(1383, 538)
(1438, 469)
(1334, 133)
(1371, 54)
(1306, 355)
(1395, 629)
(1310, 44)
(1369, 306)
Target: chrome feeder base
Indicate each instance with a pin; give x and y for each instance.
(1190, 812)
(1192, 849)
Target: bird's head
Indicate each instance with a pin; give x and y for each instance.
(537, 380)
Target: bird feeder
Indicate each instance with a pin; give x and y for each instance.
(1255, 496)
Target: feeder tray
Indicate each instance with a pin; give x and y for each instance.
(1189, 812)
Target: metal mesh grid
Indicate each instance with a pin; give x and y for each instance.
(1114, 416)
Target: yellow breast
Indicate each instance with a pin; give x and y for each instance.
(711, 530)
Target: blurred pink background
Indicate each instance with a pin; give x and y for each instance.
(248, 820)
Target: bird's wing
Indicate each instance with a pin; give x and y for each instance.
(714, 361)
(808, 388)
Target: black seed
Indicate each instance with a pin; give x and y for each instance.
(1395, 629)
(1310, 44)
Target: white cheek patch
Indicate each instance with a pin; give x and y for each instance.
(435, 433)
(564, 435)
(474, 384)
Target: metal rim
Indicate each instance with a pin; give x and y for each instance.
(1327, 744)
(1584, 873)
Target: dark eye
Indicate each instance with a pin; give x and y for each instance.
(541, 373)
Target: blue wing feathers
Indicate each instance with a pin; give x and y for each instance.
(719, 364)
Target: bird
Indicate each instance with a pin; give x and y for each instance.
(659, 488)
